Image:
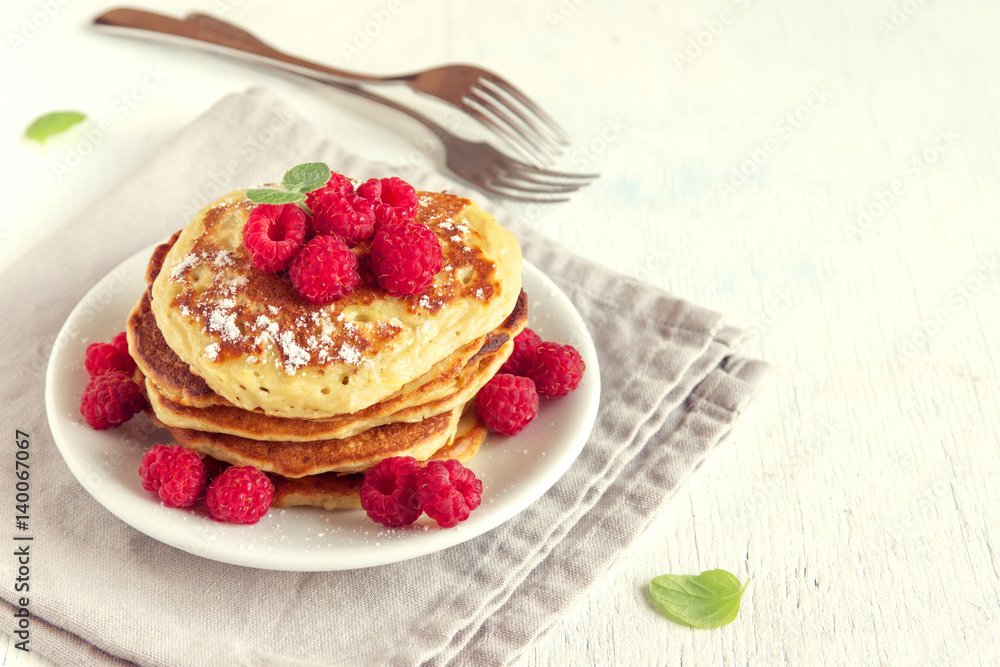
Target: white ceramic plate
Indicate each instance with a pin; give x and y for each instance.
(515, 471)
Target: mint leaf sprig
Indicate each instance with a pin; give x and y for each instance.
(297, 182)
(51, 124)
(708, 600)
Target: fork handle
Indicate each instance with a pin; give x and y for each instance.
(211, 34)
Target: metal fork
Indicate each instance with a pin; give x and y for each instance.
(483, 166)
(479, 93)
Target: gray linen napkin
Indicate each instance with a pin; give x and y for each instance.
(103, 593)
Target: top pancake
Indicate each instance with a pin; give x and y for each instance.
(259, 345)
(175, 382)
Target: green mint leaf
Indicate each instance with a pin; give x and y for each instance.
(274, 196)
(51, 124)
(306, 177)
(708, 600)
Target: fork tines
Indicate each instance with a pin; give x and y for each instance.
(520, 122)
(527, 183)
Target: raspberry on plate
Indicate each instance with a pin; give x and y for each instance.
(177, 475)
(121, 342)
(111, 399)
(525, 344)
(324, 270)
(507, 403)
(389, 492)
(106, 357)
(273, 235)
(344, 214)
(448, 491)
(239, 495)
(556, 369)
(405, 258)
(393, 199)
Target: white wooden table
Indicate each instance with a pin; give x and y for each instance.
(824, 173)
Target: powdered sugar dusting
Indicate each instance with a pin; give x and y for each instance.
(224, 324)
(212, 351)
(184, 265)
(350, 354)
(223, 258)
(295, 356)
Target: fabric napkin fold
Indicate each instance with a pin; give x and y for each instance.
(101, 592)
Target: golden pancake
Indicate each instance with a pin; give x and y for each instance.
(333, 491)
(435, 397)
(176, 383)
(255, 342)
(356, 453)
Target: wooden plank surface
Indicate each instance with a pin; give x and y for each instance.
(826, 174)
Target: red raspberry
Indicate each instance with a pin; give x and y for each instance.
(239, 495)
(105, 357)
(389, 492)
(525, 344)
(507, 403)
(111, 399)
(324, 270)
(121, 342)
(448, 491)
(177, 475)
(393, 199)
(337, 182)
(273, 234)
(556, 369)
(405, 258)
(345, 214)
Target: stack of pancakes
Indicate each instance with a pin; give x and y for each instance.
(242, 369)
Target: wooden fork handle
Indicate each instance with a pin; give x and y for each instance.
(207, 32)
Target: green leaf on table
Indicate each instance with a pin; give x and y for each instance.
(274, 196)
(708, 600)
(51, 124)
(306, 177)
